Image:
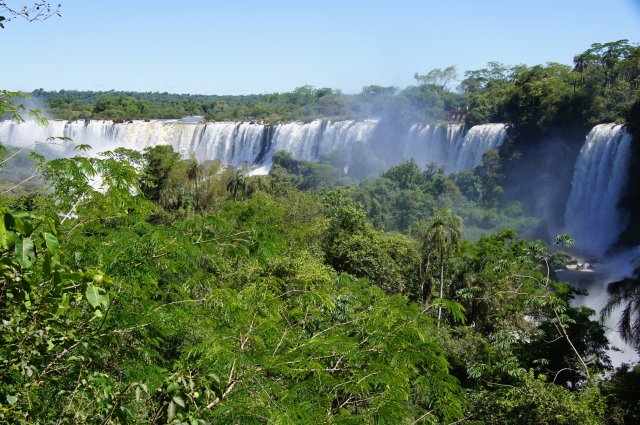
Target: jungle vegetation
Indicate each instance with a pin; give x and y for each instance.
(189, 293)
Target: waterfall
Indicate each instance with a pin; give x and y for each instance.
(30, 134)
(231, 143)
(593, 219)
(447, 145)
(253, 144)
(310, 141)
(432, 143)
(476, 142)
(592, 216)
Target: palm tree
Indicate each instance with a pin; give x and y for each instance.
(626, 292)
(194, 171)
(237, 184)
(444, 231)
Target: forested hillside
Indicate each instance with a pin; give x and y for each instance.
(548, 110)
(215, 297)
(142, 287)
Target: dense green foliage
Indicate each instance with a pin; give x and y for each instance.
(191, 293)
(601, 87)
(405, 195)
(233, 299)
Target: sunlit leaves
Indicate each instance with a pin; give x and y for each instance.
(51, 242)
(95, 296)
(236, 315)
(7, 236)
(10, 105)
(25, 253)
(45, 318)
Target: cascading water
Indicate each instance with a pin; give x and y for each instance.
(592, 216)
(593, 219)
(310, 141)
(432, 143)
(240, 143)
(233, 143)
(609, 270)
(30, 134)
(476, 142)
(449, 146)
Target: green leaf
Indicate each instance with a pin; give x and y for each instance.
(25, 252)
(52, 226)
(455, 309)
(95, 298)
(63, 306)
(52, 243)
(12, 399)
(171, 411)
(9, 221)
(46, 265)
(7, 237)
(74, 276)
(24, 225)
(37, 158)
(179, 401)
(172, 387)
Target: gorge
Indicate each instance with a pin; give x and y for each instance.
(269, 213)
(591, 215)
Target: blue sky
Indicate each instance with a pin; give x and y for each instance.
(241, 47)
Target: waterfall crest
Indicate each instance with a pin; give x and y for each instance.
(253, 144)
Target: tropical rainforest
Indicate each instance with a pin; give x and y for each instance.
(143, 287)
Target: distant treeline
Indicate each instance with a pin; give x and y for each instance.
(302, 104)
(602, 86)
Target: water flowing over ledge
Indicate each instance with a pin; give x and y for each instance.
(592, 216)
(253, 144)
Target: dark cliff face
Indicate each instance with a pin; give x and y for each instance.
(631, 198)
(538, 169)
(538, 165)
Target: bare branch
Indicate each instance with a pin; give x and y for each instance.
(38, 11)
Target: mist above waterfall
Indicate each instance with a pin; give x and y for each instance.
(28, 107)
(613, 268)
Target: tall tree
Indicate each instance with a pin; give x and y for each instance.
(438, 77)
(159, 161)
(443, 235)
